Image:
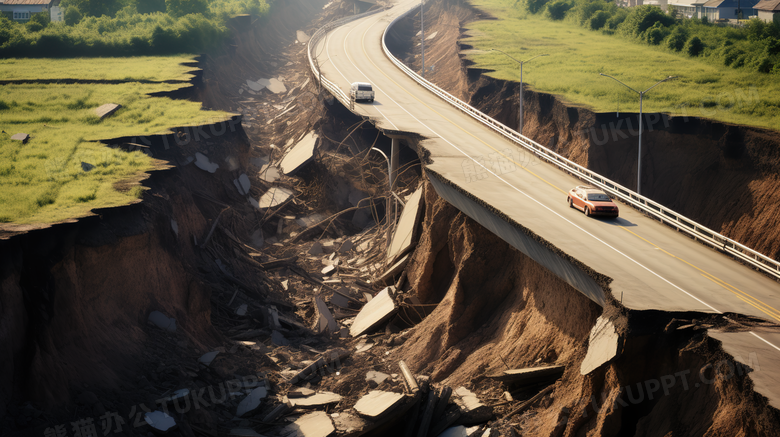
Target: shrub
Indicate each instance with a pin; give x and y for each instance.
(557, 9)
(694, 46)
(72, 16)
(533, 6)
(599, 20)
(642, 18)
(656, 34)
(617, 19)
(676, 39)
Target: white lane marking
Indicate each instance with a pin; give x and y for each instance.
(327, 52)
(362, 42)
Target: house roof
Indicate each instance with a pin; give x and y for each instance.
(742, 4)
(686, 2)
(25, 2)
(768, 5)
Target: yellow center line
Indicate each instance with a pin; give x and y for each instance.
(747, 300)
(713, 278)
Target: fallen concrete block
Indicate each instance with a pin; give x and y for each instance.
(299, 154)
(160, 422)
(277, 412)
(403, 237)
(325, 320)
(107, 110)
(455, 431)
(377, 403)
(206, 359)
(20, 137)
(252, 402)
(529, 375)
(241, 310)
(316, 424)
(316, 400)
(274, 197)
(203, 163)
(378, 310)
(162, 321)
(242, 184)
(374, 378)
(301, 392)
(346, 246)
(603, 346)
(472, 411)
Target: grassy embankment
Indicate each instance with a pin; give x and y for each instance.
(43, 181)
(577, 56)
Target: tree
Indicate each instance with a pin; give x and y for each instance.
(179, 8)
(677, 38)
(38, 21)
(557, 9)
(94, 8)
(694, 46)
(599, 20)
(72, 16)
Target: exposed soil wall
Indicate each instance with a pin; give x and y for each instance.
(720, 175)
(494, 309)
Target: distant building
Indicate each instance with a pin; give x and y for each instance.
(729, 9)
(768, 10)
(688, 8)
(21, 10)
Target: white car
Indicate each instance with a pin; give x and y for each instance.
(361, 91)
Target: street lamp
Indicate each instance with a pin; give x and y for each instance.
(520, 116)
(641, 95)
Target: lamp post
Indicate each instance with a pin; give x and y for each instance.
(641, 95)
(520, 115)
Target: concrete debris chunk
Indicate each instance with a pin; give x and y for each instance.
(251, 403)
(346, 246)
(302, 36)
(455, 431)
(175, 227)
(270, 173)
(530, 375)
(315, 249)
(203, 163)
(20, 137)
(299, 154)
(300, 392)
(274, 197)
(278, 339)
(241, 310)
(472, 411)
(363, 346)
(254, 86)
(403, 237)
(277, 412)
(325, 320)
(160, 422)
(380, 309)
(374, 378)
(206, 359)
(377, 403)
(178, 394)
(316, 424)
(348, 423)
(316, 400)
(107, 110)
(339, 300)
(329, 270)
(242, 184)
(603, 346)
(162, 321)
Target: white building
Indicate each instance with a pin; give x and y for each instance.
(21, 10)
(729, 9)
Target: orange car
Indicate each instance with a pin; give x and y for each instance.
(592, 201)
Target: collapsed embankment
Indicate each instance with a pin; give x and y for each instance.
(720, 175)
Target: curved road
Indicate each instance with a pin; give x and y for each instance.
(651, 265)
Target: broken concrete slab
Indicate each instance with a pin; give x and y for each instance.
(315, 249)
(403, 237)
(339, 300)
(301, 392)
(378, 310)
(162, 321)
(316, 424)
(328, 270)
(349, 424)
(277, 412)
(455, 431)
(603, 346)
(274, 197)
(529, 375)
(107, 110)
(374, 378)
(242, 184)
(299, 154)
(270, 173)
(395, 269)
(252, 402)
(160, 422)
(377, 403)
(206, 359)
(254, 86)
(324, 320)
(472, 411)
(203, 163)
(316, 400)
(302, 36)
(20, 137)
(241, 310)
(346, 246)
(278, 339)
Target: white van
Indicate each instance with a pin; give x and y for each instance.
(361, 91)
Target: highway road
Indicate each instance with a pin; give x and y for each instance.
(651, 265)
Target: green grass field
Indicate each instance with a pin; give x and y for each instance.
(42, 181)
(577, 56)
(139, 68)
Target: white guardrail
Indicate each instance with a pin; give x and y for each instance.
(654, 209)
